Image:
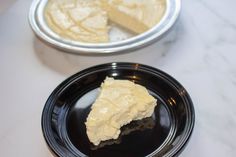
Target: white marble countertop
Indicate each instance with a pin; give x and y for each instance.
(200, 52)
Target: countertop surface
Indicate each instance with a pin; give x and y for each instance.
(200, 52)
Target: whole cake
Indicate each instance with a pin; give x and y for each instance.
(88, 20)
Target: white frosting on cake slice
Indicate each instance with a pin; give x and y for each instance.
(119, 103)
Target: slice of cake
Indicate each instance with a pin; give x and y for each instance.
(119, 103)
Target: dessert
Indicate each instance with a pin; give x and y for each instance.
(135, 15)
(80, 20)
(119, 102)
(137, 125)
(90, 20)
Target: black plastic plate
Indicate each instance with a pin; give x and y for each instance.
(68, 106)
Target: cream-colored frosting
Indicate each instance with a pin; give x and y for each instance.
(80, 20)
(136, 15)
(87, 20)
(119, 103)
